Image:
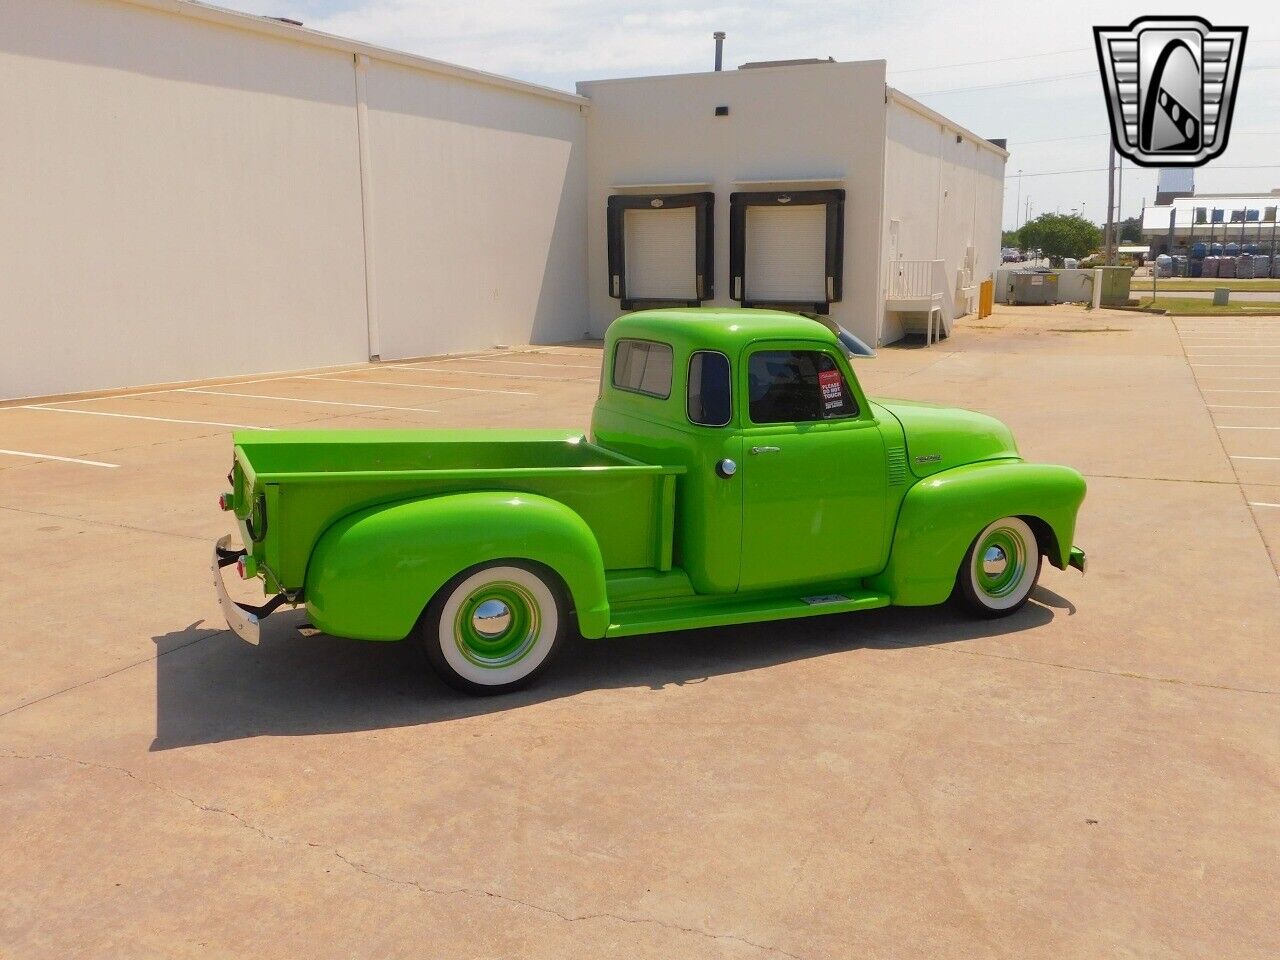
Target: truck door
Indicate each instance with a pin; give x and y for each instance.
(813, 469)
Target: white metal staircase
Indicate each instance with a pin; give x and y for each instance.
(917, 289)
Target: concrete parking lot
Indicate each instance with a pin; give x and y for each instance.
(1097, 776)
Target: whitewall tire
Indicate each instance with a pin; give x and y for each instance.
(493, 629)
(1001, 568)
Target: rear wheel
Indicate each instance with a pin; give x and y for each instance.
(493, 629)
(1000, 570)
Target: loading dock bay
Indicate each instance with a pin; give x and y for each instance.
(1094, 776)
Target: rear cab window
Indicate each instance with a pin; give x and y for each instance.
(643, 366)
(797, 386)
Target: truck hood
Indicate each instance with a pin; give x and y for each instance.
(939, 438)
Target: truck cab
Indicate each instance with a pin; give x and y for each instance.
(778, 442)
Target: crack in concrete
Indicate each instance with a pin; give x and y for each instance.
(388, 878)
(112, 673)
(101, 523)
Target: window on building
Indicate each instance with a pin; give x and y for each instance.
(709, 400)
(1202, 214)
(1237, 216)
(1270, 215)
(643, 366)
(1217, 216)
(797, 386)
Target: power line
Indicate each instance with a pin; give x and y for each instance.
(1238, 166)
(1051, 79)
(977, 63)
(1010, 83)
(1014, 142)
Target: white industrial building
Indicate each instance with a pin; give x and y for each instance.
(195, 193)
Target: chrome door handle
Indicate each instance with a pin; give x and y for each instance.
(759, 450)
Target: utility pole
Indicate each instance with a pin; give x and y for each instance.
(1119, 204)
(1017, 206)
(1111, 201)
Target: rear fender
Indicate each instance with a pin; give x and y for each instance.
(940, 517)
(373, 572)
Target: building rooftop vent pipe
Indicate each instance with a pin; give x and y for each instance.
(719, 37)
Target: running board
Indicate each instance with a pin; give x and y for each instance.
(689, 613)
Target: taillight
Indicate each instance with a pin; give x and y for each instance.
(247, 567)
(227, 501)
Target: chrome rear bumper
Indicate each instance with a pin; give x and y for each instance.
(244, 620)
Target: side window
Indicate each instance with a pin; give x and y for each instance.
(709, 402)
(643, 366)
(797, 386)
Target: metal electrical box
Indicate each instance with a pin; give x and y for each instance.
(1116, 282)
(1035, 288)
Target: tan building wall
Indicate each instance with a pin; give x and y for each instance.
(945, 187)
(477, 214)
(798, 122)
(183, 199)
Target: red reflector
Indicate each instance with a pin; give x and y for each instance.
(224, 501)
(240, 568)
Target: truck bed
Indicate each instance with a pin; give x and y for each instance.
(305, 480)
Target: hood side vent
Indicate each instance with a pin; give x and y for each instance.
(896, 458)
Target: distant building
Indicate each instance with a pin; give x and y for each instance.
(1244, 218)
(1174, 182)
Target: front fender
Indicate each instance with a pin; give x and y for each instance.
(941, 515)
(372, 573)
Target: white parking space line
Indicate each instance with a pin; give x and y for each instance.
(50, 456)
(1240, 406)
(530, 363)
(1236, 456)
(1245, 366)
(1218, 376)
(486, 373)
(1255, 503)
(423, 386)
(137, 416)
(328, 403)
(1221, 427)
(1226, 390)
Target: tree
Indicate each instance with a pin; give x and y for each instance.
(1009, 238)
(1060, 235)
(1131, 230)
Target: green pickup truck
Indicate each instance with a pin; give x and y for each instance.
(734, 472)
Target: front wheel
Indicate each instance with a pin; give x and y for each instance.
(493, 629)
(1000, 570)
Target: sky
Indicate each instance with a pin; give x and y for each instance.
(1026, 72)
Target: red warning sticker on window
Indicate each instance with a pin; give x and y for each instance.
(832, 389)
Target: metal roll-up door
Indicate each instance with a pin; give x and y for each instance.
(661, 253)
(786, 253)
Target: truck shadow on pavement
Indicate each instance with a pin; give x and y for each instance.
(211, 686)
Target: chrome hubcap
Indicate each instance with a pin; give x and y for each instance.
(491, 619)
(994, 562)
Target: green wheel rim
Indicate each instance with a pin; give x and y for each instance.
(502, 646)
(999, 562)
